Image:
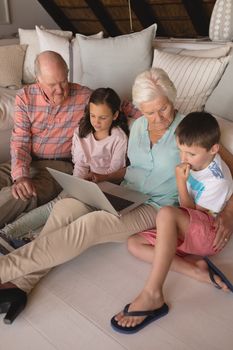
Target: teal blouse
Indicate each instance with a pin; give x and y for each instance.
(152, 170)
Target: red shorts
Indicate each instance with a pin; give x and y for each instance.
(198, 239)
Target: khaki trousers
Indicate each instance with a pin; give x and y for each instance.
(71, 228)
(47, 188)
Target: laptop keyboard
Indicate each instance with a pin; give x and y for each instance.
(117, 202)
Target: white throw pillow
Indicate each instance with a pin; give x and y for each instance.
(29, 37)
(115, 62)
(68, 50)
(53, 42)
(11, 65)
(220, 102)
(77, 63)
(194, 77)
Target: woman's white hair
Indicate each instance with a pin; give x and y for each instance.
(151, 84)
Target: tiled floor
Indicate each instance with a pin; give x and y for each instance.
(71, 308)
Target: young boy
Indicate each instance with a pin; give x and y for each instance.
(204, 185)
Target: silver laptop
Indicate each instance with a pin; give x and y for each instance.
(106, 196)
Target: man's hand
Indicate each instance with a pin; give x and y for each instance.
(23, 188)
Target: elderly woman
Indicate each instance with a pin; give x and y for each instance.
(73, 226)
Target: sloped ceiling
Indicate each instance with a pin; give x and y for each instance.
(175, 18)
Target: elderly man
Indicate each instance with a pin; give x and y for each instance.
(46, 114)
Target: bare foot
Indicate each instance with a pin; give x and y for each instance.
(201, 272)
(143, 302)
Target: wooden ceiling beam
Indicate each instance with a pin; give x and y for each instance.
(198, 16)
(57, 15)
(103, 16)
(146, 16)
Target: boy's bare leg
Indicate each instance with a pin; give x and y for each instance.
(190, 265)
(172, 223)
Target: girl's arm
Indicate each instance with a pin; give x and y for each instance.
(81, 169)
(182, 173)
(119, 151)
(116, 176)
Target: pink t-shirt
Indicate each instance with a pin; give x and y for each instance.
(99, 156)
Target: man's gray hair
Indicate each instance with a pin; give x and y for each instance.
(151, 84)
(53, 55)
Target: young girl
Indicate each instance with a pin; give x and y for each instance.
(98, 151)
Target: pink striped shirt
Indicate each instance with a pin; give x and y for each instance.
(42, 129)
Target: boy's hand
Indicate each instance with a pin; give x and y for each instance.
(182, 171)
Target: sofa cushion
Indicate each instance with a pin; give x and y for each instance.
(69, 50)
(53, 42)
(194, 77)
(115, 62)
(226, 128)
(11, 65)
(7, 98)
(29, 37)
(221, 24)
(216, 52)
(220, 102)
(77, 63)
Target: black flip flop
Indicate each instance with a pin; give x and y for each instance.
(151, 316)
(214, 270)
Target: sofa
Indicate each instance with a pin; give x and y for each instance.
(201, 70)
(71, 308)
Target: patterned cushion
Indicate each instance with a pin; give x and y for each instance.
(221, 22)
(194, 77)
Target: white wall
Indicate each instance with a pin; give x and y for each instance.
(26, 14)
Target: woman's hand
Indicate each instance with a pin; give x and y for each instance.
(224, 228)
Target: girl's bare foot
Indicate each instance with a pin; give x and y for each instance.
(144, 302)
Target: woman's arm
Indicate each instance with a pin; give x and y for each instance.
(224, 225)
(224, 221)
(227, 157)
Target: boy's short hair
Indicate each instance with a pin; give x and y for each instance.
(200, 129)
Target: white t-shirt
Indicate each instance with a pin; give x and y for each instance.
(211, 187)
(99, 156)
